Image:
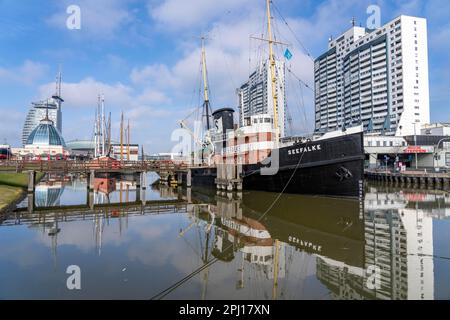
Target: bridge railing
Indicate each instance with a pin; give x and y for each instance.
(85, 166)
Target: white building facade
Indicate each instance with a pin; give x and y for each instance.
(375, 77)
(255, 96)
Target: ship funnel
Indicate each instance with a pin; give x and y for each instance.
(223, 120)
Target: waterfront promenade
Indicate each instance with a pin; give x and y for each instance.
(416, 178)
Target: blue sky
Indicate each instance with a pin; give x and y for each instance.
(144, 55)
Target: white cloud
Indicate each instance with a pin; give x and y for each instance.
(177, 14)
(85, 93)
(149, 110)
(151, 96)
(157, 75)
(227, 53)
(28, 73)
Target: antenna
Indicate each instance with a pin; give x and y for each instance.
(353, 21)
(58, 85)
(59, 82)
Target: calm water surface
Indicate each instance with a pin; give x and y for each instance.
(397, 247)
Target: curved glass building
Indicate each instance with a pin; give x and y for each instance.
(38, 112)
(46, 134)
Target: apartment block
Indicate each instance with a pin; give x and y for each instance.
(378, 78)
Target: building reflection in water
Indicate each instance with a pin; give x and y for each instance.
(386, 255)
(48, 194)
(398, 248)
(386, 252)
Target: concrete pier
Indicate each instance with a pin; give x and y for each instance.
(90, 180)
(229, 177)
(31, 204)
(91, 200)
(180, 178)
(189, 178)
(31, 181)
(138, 194)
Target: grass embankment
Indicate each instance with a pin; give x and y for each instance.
(12, 186)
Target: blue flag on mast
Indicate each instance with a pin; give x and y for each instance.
(288, 54)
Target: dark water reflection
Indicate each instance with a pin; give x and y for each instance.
(298, 248)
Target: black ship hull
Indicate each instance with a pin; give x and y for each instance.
(331, 167)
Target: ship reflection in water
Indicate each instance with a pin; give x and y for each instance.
(300, 248)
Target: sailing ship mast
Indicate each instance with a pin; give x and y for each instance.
(128, 140)
(206, 104)
(273, 74)
(121, 138)
(102, 125)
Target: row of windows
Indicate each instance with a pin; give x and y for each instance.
(384, 143)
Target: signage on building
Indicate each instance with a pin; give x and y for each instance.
(418, 149)
(447, 159)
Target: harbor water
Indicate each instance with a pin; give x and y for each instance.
(193, 244)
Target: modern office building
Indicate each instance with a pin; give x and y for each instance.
(375, 77)
(38, 111)
(255, 96)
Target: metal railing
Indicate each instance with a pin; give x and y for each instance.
(68, 166)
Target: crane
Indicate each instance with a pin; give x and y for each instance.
(204, 144)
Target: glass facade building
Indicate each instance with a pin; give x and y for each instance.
(38, 112)
(46, 134)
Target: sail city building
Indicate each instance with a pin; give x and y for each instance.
(378, 78)
(50, 108)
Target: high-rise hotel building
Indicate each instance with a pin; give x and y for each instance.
(378, 78)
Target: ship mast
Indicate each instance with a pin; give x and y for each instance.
(128, 141)
(102, 125)
(205, 85)
(273, 74)
(121, 138)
